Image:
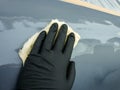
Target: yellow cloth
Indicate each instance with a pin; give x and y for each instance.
(24, 52)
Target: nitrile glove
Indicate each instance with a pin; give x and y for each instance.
(48, 66)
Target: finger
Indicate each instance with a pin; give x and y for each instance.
(51, 36)
(38, 42)
(60, 41)
(69, 45)
(71, 73)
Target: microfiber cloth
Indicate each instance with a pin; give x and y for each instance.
(25, 50)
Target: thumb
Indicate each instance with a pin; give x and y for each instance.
(71, 73)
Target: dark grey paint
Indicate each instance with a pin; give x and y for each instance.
(97, 66)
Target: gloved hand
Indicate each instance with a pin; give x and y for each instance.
(48, 66)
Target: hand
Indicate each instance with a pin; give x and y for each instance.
(48, 66)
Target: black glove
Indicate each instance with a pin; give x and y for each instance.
(48, 66)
